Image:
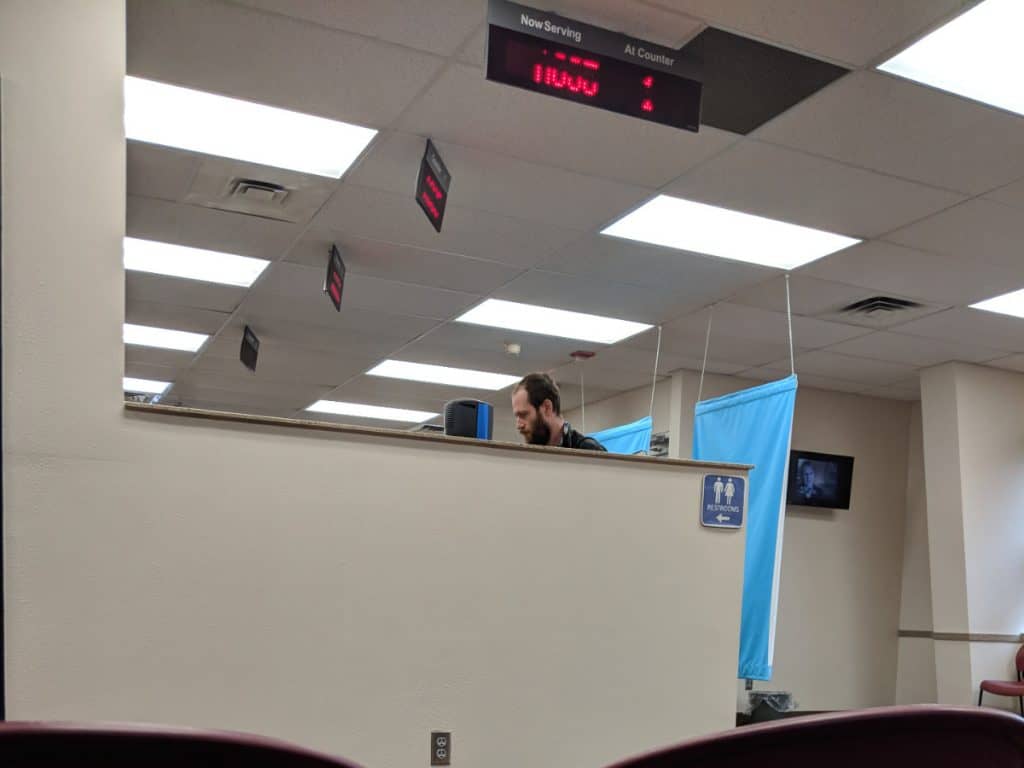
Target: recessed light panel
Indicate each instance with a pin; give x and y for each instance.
(676, 223)
(978, 55)
(173, 116)
(145, 386)
(339, 408)
(191, 263)
(165, 338)
(530, 318)
(1007, 304)
(442, 374)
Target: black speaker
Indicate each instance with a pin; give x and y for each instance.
(469, 418)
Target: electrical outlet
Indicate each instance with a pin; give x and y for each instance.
(440, 748)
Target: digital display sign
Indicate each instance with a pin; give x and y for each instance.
(432, 185)
(250, 349)
(570, 70)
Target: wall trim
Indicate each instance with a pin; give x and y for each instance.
(421, 437)
(962, 637)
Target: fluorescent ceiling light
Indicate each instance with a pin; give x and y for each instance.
(442, 374)
(191, 263)
(689, 226)
(148, 336)
(146, 386)
(217, 125)
(551, 322)
(370, 411)
(978, 55)
(1007, 304)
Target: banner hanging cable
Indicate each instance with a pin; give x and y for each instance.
(707, 342)
(654, 378)
(789, 321)
(583, 399)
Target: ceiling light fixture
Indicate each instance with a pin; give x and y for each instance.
(172, 116)
(191, 263)
(442, 374)
(977, 55)
(148, 336)
(383, 413)
(530, 318)
(145, 386)
(676, 223)
(1008, 304)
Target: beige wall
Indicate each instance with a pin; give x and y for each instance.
(915, 675)
(839, 604)
(348, 593)
(627, 407)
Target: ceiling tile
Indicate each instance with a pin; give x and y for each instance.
(408, 264)
(688, 275)
(807, 296)
(461, 107)
(175, 316)
(161, 172)
(970, 326)
(854, 33)
(376, 390)
(200, 227)
(769, 373)
(152, 371)
(852, 369)
(910, 392)
(143, 286)
(475, 346)
(376, 215)
(437, 26)
(889, 269)
(792, 186)
(1011, 194)
(288, 283)
(284, 362)
(903, 129)
(978, 232)
(737, 321)
(913, 350)
(274, 60)
(500, 184)
(596, 297)
(174, 359)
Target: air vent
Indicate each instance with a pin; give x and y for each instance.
(256, 191)
(882, 304)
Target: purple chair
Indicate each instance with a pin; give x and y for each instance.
(927, 736)
(63, 745)
(1007, 687)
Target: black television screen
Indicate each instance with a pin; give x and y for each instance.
(819, 480)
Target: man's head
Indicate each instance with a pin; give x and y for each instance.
(537, 408)
(807, 475)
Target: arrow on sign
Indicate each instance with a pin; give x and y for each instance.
(722, 518)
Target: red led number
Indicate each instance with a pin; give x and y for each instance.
(563, 80)
(429, 205)
(647, 105)
(429, 180)
(648, 81)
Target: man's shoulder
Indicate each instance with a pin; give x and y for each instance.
(582, 442)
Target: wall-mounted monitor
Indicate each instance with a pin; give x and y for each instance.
(819, 480)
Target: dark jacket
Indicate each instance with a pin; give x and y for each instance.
(573, 439)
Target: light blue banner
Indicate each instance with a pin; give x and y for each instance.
(754, 427)
(629, 438)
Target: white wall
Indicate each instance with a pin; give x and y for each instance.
(348, 593)
(839, 604)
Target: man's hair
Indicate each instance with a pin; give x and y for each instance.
(540, 387)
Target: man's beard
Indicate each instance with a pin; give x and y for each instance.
(540, 432)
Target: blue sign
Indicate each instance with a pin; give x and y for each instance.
(722, 502)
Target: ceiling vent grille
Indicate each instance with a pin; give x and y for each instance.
(879, 304)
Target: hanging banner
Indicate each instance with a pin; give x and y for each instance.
(628, 438)
(754, 426)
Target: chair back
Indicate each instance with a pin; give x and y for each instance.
(79, 745)
(896, 737)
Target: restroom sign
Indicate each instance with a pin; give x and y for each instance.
(722, 501)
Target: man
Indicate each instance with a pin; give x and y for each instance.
(806, 488)
(537, 408)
